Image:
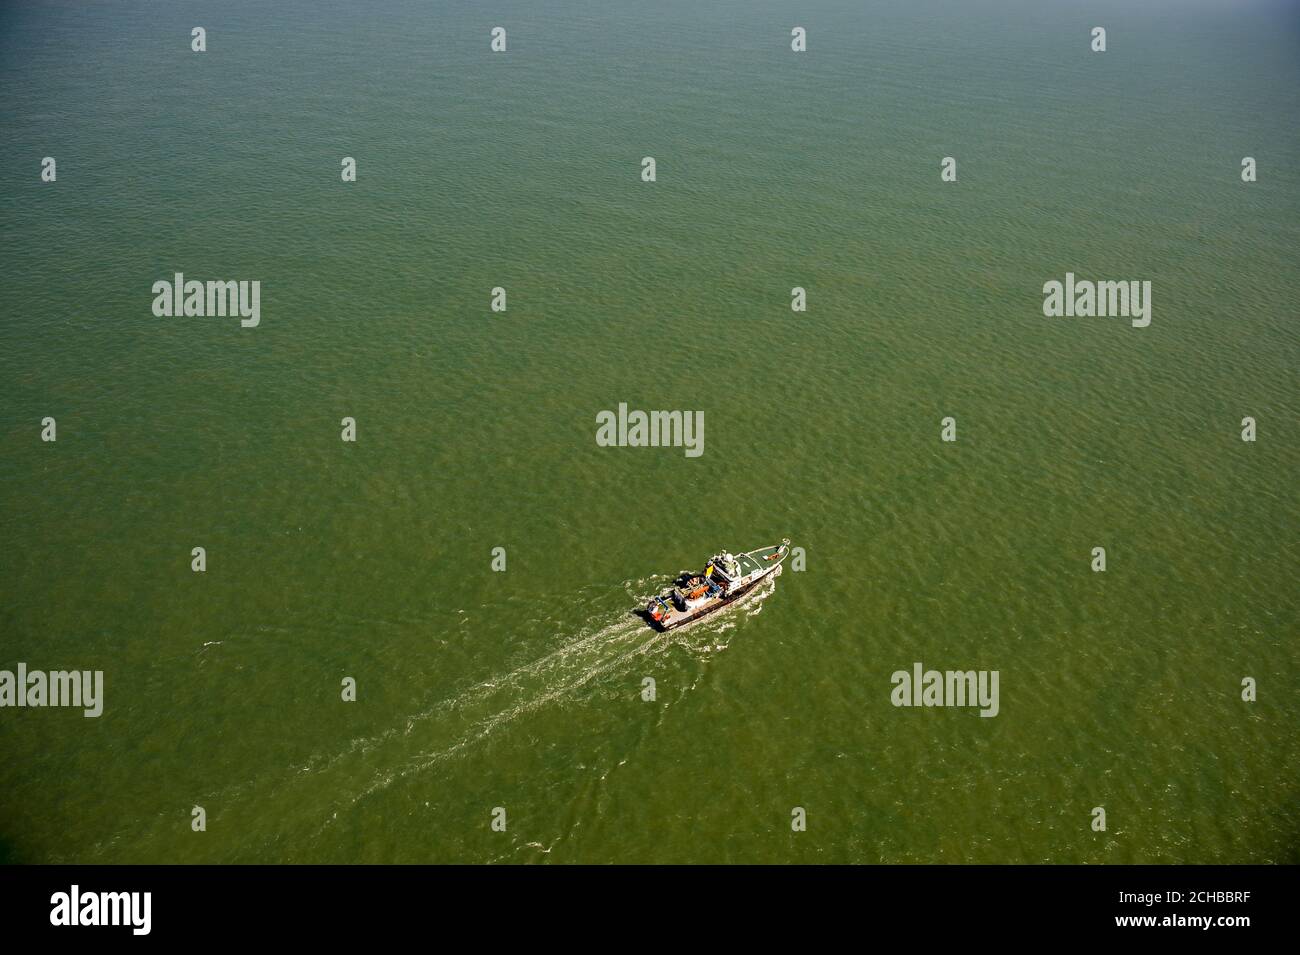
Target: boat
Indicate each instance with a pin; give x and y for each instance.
(726, 577)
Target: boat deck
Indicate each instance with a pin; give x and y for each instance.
(675, 617)
(758, 559)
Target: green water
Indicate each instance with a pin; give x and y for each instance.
(476, 430)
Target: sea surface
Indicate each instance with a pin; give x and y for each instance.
(522, 689)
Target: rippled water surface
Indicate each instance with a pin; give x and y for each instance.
(476, 430)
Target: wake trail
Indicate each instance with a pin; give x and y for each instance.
(456, 724)
(609, 650)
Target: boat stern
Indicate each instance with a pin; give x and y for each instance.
(657, 610)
